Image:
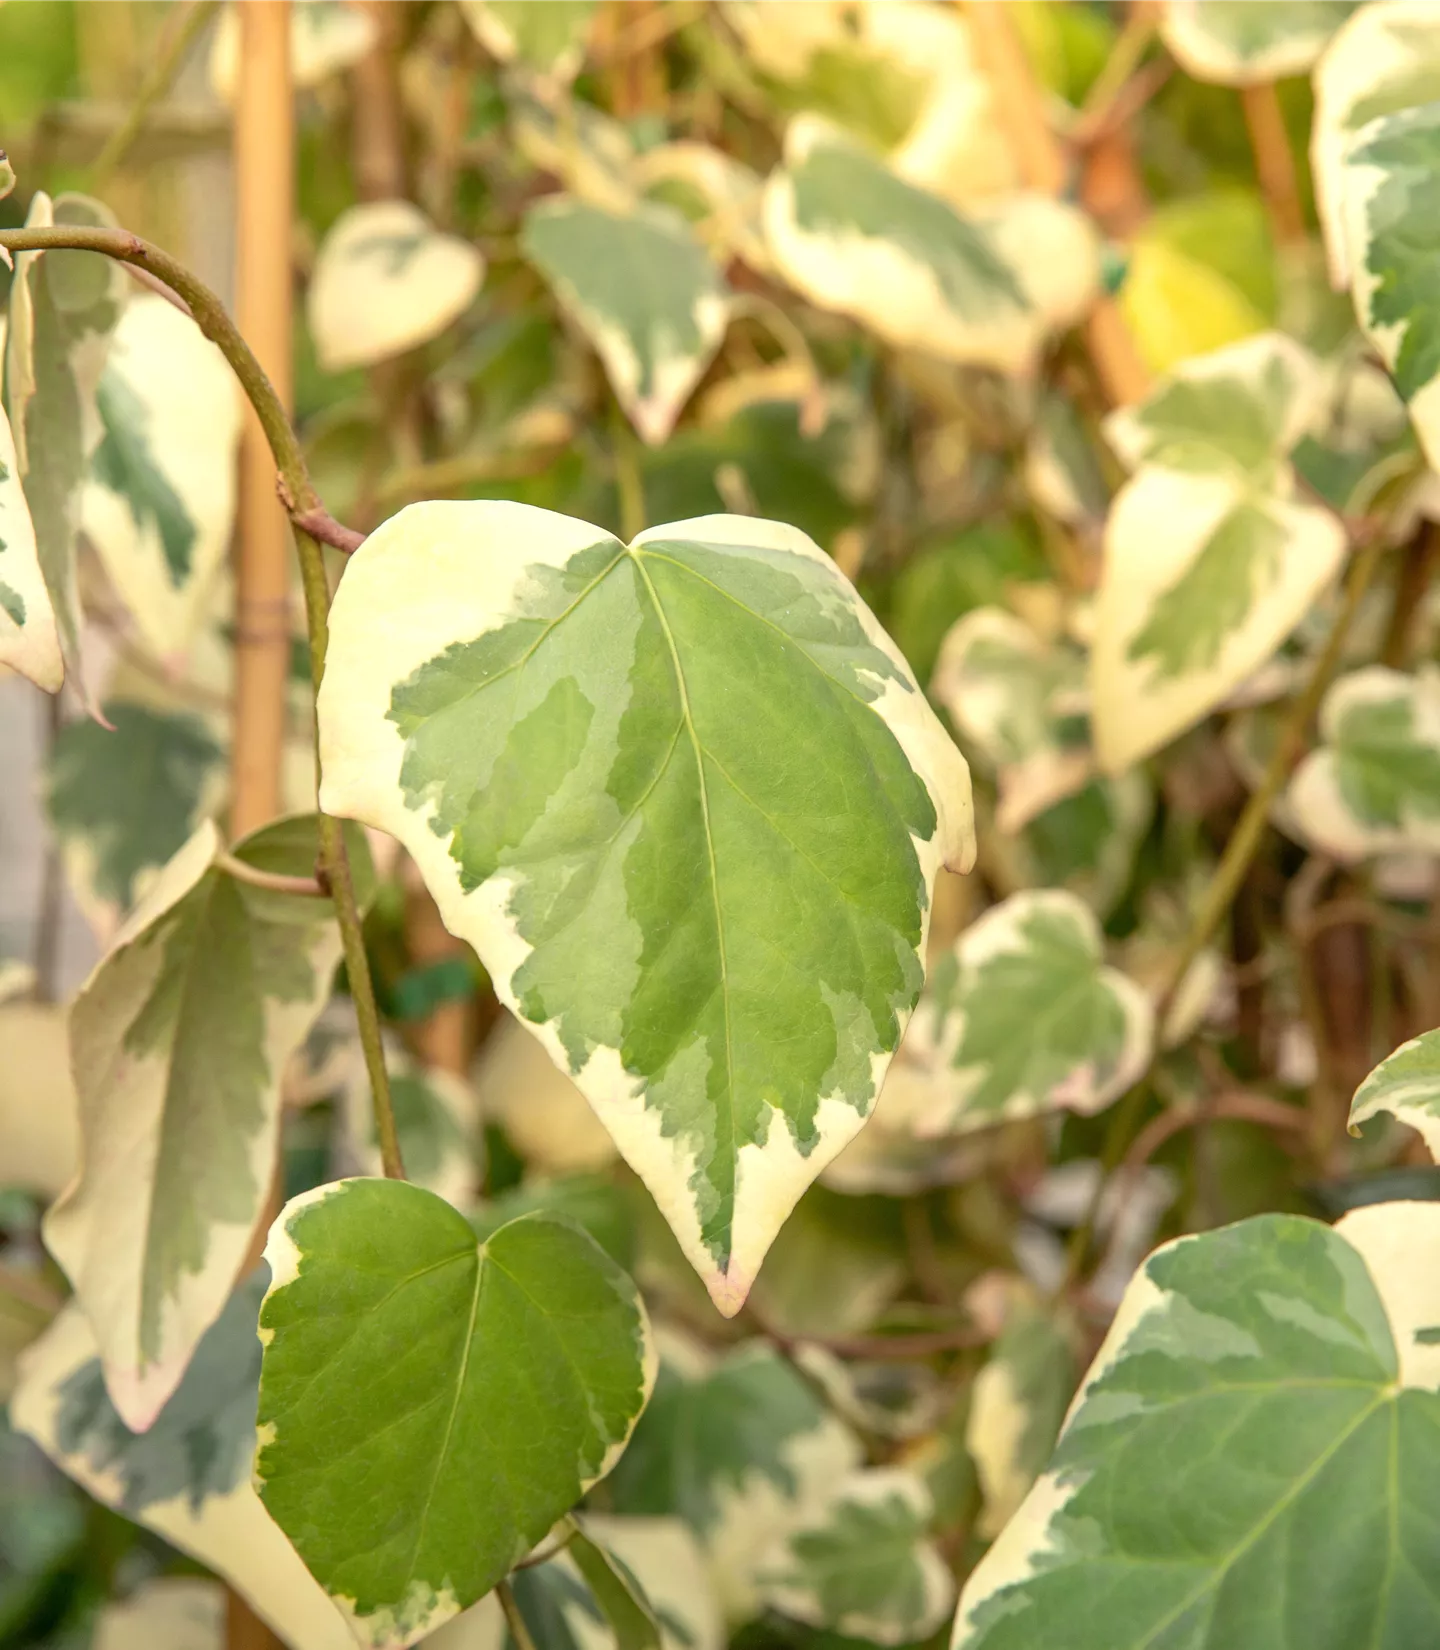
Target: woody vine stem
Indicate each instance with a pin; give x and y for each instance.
(313, 525)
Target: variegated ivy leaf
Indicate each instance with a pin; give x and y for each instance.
(550, 37)
(123, 799)
(1017, 1404)
(645, 293)
(665, 1559)
(1390, 195)
(861, 1566)
(178, 1070)
(1210, 558)
(63, 308)
(1084, 843)
(326, 36)
(159, 505)
(1406, 1085)
(1248, 1464)
(719, 194)
(1021, 705)
(386, 280)
(1373, 785)
(7, 175)
(1023, 1017)
(1249, 42)
(525, 1361)
(29, 641)
(591, 750)
(1385, 59)
(187, 1478)
(744, 1451)
(985, 287)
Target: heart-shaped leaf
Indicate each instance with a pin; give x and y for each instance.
(687, 803)
(431, 1404)
(1250, 1463)
(1373, 785)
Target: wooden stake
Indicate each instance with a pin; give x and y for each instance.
(265, 204)
(1274, 162)
(1044, 165)
(264, 181)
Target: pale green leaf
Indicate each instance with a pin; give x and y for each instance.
(1023, 1017)
(722, 195)
(187, 1478)
(1373, 785)
(1386, 58)
(1391, 195)
(178, 1042)
(1249, 42)
(1406, 1084)
(862, 1566)
(668, 1564)
(159, 505)
(627, 1611)
(164, 1613)
(436, 1117)
(64, 305)
(644, 291)
(122, 800)
(1211, 560)
(591, 751)
(1248, 1465)
(550, 37)
(29, 641)
(744, 1452)
(1020, 706)
(7, 175)
(386, 280)
(326, 36)
(39, 1113)
(525, 1361)
(984, 287)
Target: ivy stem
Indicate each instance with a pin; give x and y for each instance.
(516, 1622)
(1249, 831)
(1239, 853)
(276, 881)
(313, 523)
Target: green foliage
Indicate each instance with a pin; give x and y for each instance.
(1096, 458)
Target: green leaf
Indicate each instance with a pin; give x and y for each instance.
(1210, 558)
(986, 288)
(178, 1042)
(187, 1477)
(29, 641)
(1249, 1463)
(1373, 786)
(526, 1363)
(1385, 59)
(643, 290)
(745, 1452)
(1249, 42)
(1391, 196)
(1022, 1017)
(63, 307)
(159, 505)
(124, 799)
(591, 751)
(1407, 1085)
(550, 38)
(627, 1611)
(1085, 843)
(862, 1566)
(386, 280)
